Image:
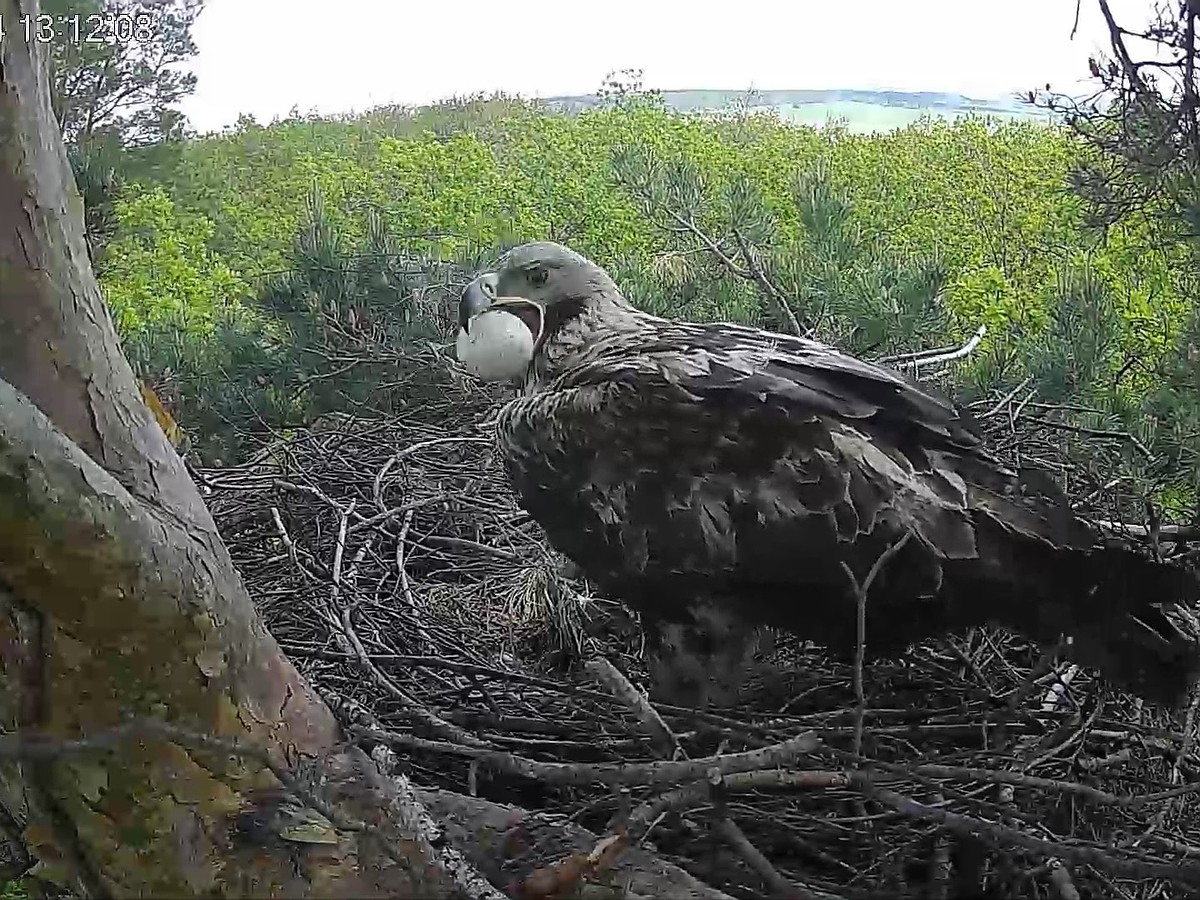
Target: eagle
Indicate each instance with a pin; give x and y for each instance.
(720, 479)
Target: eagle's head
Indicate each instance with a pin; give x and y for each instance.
(506, 315)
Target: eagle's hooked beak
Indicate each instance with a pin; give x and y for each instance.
(480, 296)
(477, 297)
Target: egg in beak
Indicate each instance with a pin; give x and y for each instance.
(497, 344)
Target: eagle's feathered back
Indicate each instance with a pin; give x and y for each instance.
(717, 471)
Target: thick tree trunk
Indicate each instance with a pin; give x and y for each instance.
(115, 612)
(118, 600)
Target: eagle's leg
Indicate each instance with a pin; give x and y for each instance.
(701, 656)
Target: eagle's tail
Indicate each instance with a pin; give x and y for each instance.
(1131, 618)
(1136, 623)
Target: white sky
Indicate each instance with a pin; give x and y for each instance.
(265, 56)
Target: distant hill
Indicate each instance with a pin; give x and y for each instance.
(859, 110)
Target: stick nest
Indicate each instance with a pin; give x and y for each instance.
(390, 560)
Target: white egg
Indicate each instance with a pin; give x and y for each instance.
(498, 347)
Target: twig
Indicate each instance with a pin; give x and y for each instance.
(396, 511)
(697, 793)
(860, 594)
(931, 357)
(340, 547)
(941, 863)
(1131, 439)
(418, 713)
(1189, 736)
(1182, 532)
(560, 878)
(609, 676)
(759, 277)
(377, 485)
(643, 774)
(727, 829)
(1006, 399)
(439, 540)
(1018, 779)
(405, 587)
(1000, 834)
(1058, 689)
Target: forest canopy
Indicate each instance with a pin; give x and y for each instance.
(268, 235)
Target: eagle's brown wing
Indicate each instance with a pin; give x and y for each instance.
(743, 468)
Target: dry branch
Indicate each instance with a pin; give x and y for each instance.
(665, 772)
(496, 642)
(610, 676)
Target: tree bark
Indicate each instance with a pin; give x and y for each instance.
(125, 627)
(505, 841)
(118, 599)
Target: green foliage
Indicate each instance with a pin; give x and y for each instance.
(988, 202)
(625, 89)
(1069, 356)
(115, 65)
(98, 181)
(328, 229)
(828, 273)
(158, 267)
(115, 83)
(326, 333)
(1172, 411)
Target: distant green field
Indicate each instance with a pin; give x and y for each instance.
(861, 111)
(865, 118)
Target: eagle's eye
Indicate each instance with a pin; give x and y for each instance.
(537, 276)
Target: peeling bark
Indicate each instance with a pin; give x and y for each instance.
(117, 613)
